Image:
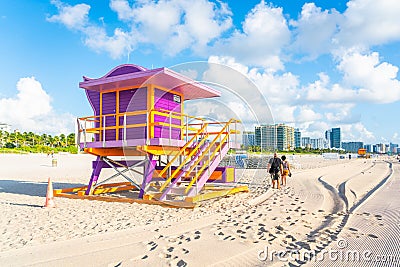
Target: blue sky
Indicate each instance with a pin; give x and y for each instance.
(319, 64)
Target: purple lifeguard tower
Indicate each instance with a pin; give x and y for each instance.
(139, 115)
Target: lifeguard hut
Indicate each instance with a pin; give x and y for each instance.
(139, 115)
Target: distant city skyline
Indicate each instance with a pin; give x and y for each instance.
(267, 137)
(318, 64)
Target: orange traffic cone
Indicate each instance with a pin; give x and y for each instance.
(49, 196)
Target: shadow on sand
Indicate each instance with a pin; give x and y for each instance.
(30, 188)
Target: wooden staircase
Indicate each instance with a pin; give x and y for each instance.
(207, 149)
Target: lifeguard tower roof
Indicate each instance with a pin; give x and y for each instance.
(129, 75)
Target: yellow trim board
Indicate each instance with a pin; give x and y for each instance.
(166, 204)
(215, 194)
(113, 152)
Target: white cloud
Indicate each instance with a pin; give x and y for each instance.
(364, 24)
(31, 110)
(356, 132)
(314, 129)
(170, 25)
(259, 88)
(370, 22)
(365, 79)
(322, 91)
(314, 30)
(260, 41)
(375, 81)
(396, 138)
(307, 114)
(342, 115)
(124, 11)
(258, 50)
(120, 43)
(73, 17)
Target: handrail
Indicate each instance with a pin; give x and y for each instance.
(207, 149)
(185, 160)
(189, 129)
(219, 123)
(174, 112)
(199, 172)
(158, 112)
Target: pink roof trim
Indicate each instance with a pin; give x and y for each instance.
(164, 77)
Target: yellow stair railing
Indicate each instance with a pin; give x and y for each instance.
(181, 152)
(213, 154)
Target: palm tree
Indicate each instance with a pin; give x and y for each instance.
(71, 139)
(20, 140)
(43, 139)
(1, 138)
(6, 138)
(63, 140)
(56, 141)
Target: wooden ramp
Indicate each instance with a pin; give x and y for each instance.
(109, 193)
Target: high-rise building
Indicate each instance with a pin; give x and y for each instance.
(265, 137)
(379, 148)
(352, 146)
(317, 143)
(274, 137)
(285, 137)
(328, 138)
(5, 127)
(393, 147)
(248, 139)
(368, 148)
(335, 138)
(297, 138)
(306, 142)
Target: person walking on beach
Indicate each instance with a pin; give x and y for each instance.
(286, 170)
(275, 169)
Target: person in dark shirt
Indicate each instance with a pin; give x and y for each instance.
(275, 169)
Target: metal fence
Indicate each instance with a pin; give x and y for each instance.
(249, 162)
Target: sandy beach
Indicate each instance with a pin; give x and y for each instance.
(328, 205)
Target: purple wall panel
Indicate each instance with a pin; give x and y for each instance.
(138, 101)
(163, 132)
(130, 132)
(136, 133)
(158, 118)
(133, 119)
(124, 70)
(108, 105)
(94, 99)
(133, 100)
(165, 100)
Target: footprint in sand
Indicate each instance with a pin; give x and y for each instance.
(165, 255)
(229, 238)
(170, 249)
(373, 236)
(178, 263)
(151, 246)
